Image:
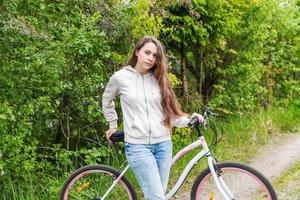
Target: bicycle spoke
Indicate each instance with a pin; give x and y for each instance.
(90, 182)
(242, 181)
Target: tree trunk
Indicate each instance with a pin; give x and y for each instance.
(200, 81)
(183, 76)
(270, 86)
(68, 128)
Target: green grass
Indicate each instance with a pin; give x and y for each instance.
(288, 184)
(40, 189)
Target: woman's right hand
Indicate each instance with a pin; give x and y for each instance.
(109, 132)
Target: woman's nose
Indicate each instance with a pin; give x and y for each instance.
(151, 57)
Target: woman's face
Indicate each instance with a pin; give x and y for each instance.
(146, 57)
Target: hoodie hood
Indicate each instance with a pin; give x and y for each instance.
(130, 68)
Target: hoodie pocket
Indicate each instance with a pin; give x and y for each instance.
(138, 128)
(159, 130)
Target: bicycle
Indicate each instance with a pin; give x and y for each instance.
(227, 180)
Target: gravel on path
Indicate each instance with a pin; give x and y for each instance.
(276, 158)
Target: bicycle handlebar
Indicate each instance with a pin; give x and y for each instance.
(207, 112)
(195, 120)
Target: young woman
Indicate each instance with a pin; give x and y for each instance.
(150, 110)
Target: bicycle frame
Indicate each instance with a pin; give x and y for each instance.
(204, 152)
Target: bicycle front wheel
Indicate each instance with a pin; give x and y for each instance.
(243, 182)
(92, 182)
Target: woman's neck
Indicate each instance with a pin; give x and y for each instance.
(140, 70)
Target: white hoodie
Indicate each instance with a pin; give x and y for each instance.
(141, 107)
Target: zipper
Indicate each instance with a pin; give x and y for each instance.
(146, 108)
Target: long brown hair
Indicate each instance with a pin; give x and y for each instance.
(169, 102)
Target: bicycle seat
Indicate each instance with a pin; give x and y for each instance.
(117, 136)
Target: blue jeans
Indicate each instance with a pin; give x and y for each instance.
(151, 166)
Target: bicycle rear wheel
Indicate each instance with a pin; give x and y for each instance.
(91, 183)
(243, 181)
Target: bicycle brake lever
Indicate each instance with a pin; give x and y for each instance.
(204, 123)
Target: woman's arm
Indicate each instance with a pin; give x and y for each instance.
(182, 121)
(108, 105)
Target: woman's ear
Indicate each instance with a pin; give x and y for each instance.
(136, 53)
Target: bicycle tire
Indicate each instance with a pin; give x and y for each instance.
(242, 180)
(83, 182)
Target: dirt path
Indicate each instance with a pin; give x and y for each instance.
(272, 159)
(276, 158)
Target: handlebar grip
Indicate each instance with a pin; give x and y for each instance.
(117, 136)
(194, 120)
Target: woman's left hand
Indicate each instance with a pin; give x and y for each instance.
(200, 117)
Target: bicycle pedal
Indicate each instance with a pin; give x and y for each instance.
(211, 195)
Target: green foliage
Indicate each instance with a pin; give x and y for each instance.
(238, 53)
(175, 82)
(145, 22)
(287, 118)
(56, 58)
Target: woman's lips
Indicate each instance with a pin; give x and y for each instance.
(148, 64)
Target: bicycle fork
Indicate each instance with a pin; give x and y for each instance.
(117, 179)
(216, 174)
